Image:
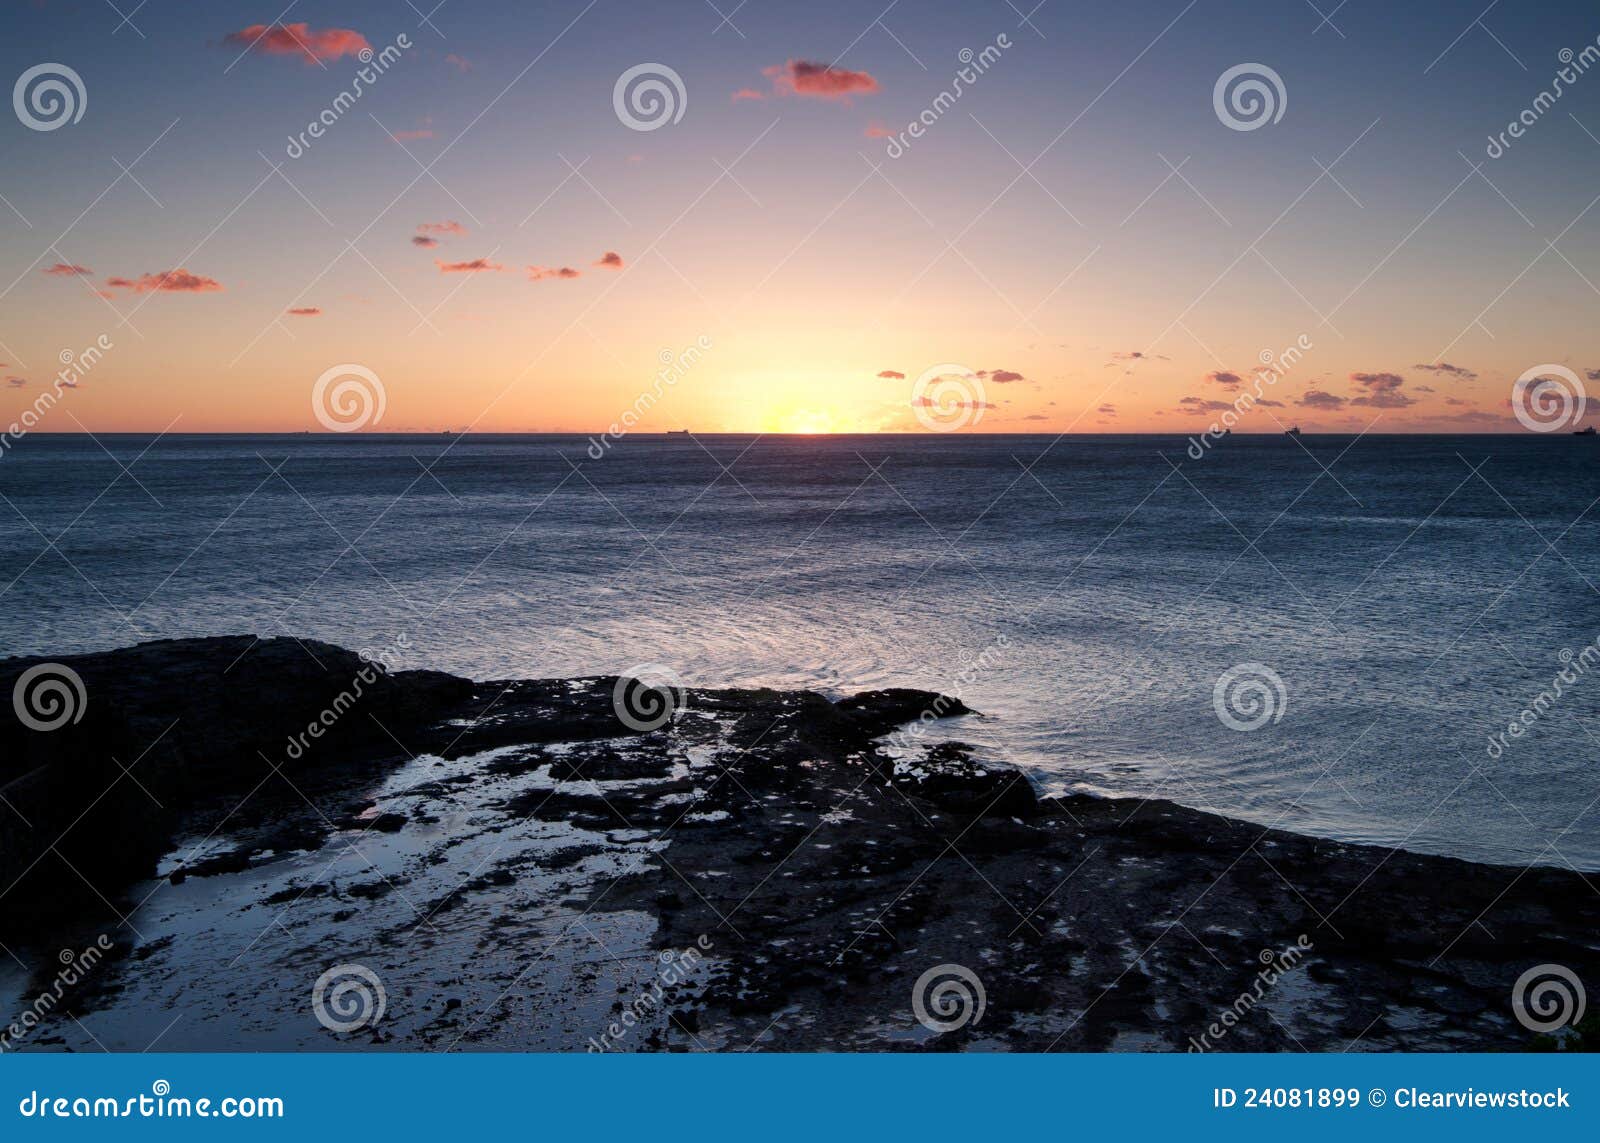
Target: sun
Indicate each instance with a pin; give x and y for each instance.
(806, 422)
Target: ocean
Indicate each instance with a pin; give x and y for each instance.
(1330, 635)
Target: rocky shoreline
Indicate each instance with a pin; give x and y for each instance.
(554, 865)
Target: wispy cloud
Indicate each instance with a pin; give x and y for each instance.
(302, 40)
(1382, 390)
(474, 266)
(540, 273)
(1451, 370)
(892, 374)
(306, 311)
(179, 281)
(67, 270)
(813, 80)
(610, 260)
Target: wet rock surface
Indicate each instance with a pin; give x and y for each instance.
(763, 870)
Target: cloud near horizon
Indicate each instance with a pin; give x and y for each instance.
(892, 375)
(1452, 370)
(1001, 376)
(474, 266)
(1317, 399)
(811, 80)
(1382, 390)
(179, 281)
(298, 39)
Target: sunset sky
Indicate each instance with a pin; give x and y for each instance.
(533, 278)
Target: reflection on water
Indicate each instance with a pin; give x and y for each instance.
(1410, 608)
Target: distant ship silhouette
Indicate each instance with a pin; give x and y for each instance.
(1586, 431)
(1294, 432)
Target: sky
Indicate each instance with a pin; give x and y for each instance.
(1079, 237)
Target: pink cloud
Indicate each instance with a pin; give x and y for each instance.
(306, 311)
(66, 269)
(179, 281)
(893, 375)
(298, 39)
(1001, 376)
(878, 131)
(475, 266)
(424, 241)
(1382, 390)
(408, 136)
(540, 273)
(747, 95)
(819, 81)
(450, 226)
(458, 62)
(611, 260)
(1224, 377)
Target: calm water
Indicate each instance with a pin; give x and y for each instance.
(1087, 606)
